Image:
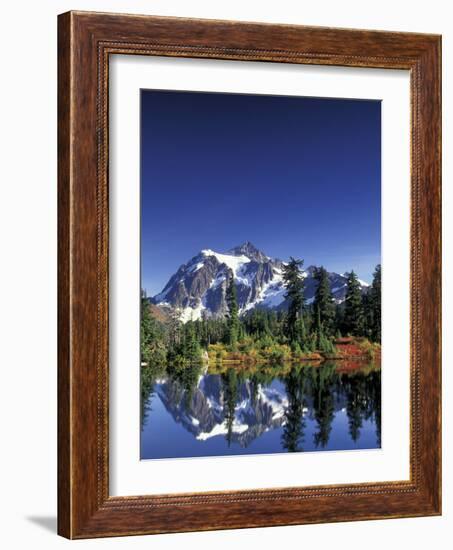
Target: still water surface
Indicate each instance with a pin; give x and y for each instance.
(196, 411)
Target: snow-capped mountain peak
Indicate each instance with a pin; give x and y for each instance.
(198, 288)
(250, 251)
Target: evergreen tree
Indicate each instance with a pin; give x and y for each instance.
(175, 325)
(354, 317)
(300, 334)
(323, 304)
(294, 284)
(192, 350)
(233, 311)
(146, 329)
(368, 315)
(375, 304)
(339, 320)
(152, 345)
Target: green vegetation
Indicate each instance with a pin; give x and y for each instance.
(294, 284)
(302, 332)
(323, 304)
(374, 324)
(153, 337)
(184, 347)
(233, 314)
(354, 313)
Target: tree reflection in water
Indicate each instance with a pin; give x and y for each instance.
(323, 381)
(293, 430)
(241, 404)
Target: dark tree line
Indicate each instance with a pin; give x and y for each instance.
(304, 327)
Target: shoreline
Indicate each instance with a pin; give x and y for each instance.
(314, 361)
(347, 350)
(302, 359)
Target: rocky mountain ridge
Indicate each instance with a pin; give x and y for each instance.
(198, 288)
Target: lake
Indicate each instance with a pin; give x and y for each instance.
(198, 411)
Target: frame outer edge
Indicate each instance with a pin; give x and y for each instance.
(82, 512)
(435, 172)
(428, 271)
(438, 299)
(439, 165)
(64, 499)
(81, 300)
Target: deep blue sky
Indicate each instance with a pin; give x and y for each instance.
(295, 176)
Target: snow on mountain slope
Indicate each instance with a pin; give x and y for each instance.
(235, 263)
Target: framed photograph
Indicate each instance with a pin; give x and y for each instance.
(249, 275)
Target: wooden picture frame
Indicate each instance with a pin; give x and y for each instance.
(85, 42)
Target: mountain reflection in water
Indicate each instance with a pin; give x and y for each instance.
(194, 411)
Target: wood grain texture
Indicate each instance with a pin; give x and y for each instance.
(86, 40)
(64, 370)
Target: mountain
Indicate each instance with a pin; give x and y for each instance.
(198, 287)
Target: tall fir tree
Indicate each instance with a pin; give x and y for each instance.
(339, 320)
(192, 350)
(233, 312)
(146, 330)
(354, 317)
(174, 328)
(294, 284)
(368, 313)
(152, 345)
(300, 333)
(323, 303)
(375, 304)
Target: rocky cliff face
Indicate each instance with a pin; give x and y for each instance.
(198, 288)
